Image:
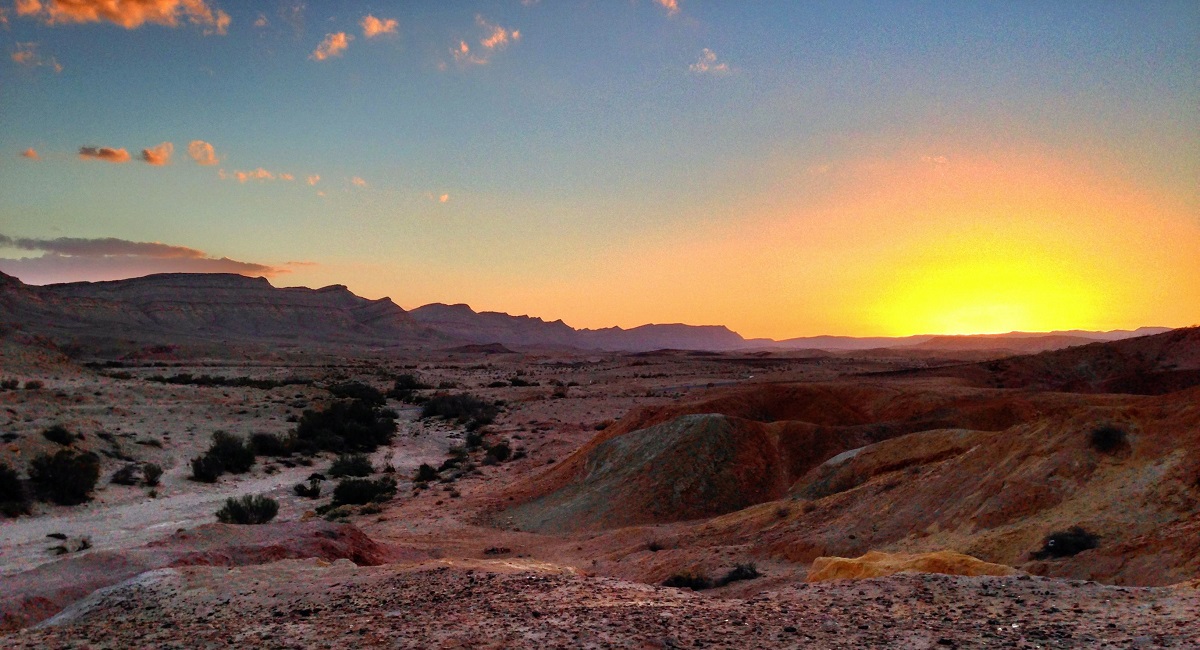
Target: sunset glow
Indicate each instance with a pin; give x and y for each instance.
(789, 170)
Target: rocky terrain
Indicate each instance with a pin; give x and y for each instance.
(666, 498)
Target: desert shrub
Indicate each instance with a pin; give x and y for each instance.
(13, 499)
(499, 384)
(405, 388)
(34, 384)
(249, 509)
(1066, 543)
(425, 473)
(10, 384)
(242, 382)
(358, 491)
(235, 454)
(59, 434)
(269, 444)
(358, 391)
(312, 490)
(207, 469)
(499, 451)
(689, 580)
(466, 409)
(344, 427)
(739, 572)
(351, 465)
(1107, 438)
(520, 381)
(68, 477)
(151, 474)
(474, 439)
(127, 475)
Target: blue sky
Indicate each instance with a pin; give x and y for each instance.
(595, 161)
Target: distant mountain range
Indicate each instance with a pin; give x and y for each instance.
(222, 306)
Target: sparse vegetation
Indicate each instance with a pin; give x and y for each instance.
(10, 384)
(67, 477)
(151, 474)
(358, 491)
(1108, 438)
(694, 580)
(235, 382)
(358, 391)
(425, 473)
(352, 426)
(498, 452)
(59, 434)
(248, 510)
(740, 572)
(13, 499)
(351, 465)
(234, 453)
(207, 469)
(312, 490)
(464, 408)
(34, 384)
(127, 475)
(1066, 543)
(275, 446)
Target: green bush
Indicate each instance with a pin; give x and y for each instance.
(13, 500)
(207, 469)
(151, 474)
(358, 391)
(354, 426)
(351, 465)
(357, 491)
(59, 434)
(247, 510)
(267, 444)
(68, 477)
(235, 454)
(1108, 438)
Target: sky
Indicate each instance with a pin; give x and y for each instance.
(782, 168)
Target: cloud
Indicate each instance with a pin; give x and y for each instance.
(130, 14)
(333, 45)
(496, 39)
(313, 179)
(159, 155)
(672, 6)
(30, 154)
(26, 55)
(202, 152)
(935, 160)
(707, 64)
(104, 153)
(261, 21)
(358, 182)
(445, 198)
(286, 177)
(373, 26)
(259, 174)
(70, 259)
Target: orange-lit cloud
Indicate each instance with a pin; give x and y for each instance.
(672, 6)
(259, 174)
(26, 54)
(496, 39)
(286, 177)
(373, 26)
(358, 182)
(106, 154)
(129, 14)
(30, 154)
(69, 259)
(313, 179)
(202, 152)
(445, 198)
(332, 45)
(261, 21)
(708, 64)
(159, 155)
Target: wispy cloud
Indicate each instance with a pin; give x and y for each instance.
(935, 160)
(672, 6)
(202, 152)
(261, 21)
(313, 179)
(107, 154)
(444, 198)
(68, 259)
(159, 155)
(495, 39)
(129, 14)
(30, 154)
(286, 177)
(332, 45)
(259, 174)
(708, 64)
(26, 54)
(373, 26)
(358, 182)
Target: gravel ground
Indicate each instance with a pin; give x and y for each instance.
(497, 604)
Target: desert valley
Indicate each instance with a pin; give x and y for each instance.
(529, 486)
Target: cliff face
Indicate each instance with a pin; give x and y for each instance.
(495, 327)
(207, 306)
